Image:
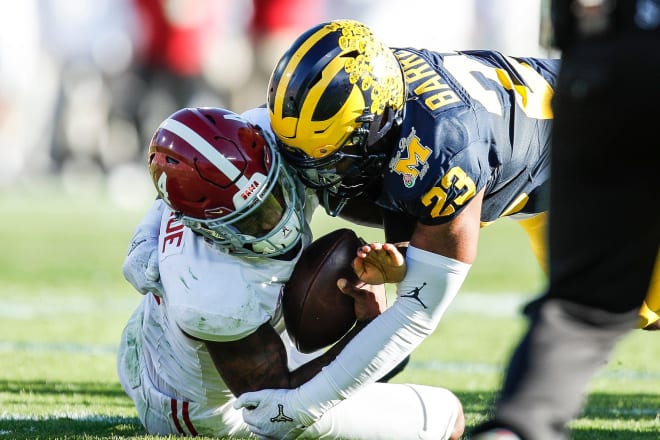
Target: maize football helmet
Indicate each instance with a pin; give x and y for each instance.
(332, 97)
(225, 181)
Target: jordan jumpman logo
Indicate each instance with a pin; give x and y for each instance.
(414, 294)
(280, 417)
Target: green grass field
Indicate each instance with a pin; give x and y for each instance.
(63, 304)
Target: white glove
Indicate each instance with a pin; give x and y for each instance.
(274, 414)
(140, 267)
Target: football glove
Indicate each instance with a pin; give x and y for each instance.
(140, 267)
(275, 414)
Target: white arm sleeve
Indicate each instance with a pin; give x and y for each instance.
(430, 285)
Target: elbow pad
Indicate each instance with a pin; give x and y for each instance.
(430, 285)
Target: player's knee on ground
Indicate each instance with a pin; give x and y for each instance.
(387, 410)
(445, 408)
(459, 425)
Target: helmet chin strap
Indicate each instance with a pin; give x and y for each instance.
(333, 212)
(369, 169)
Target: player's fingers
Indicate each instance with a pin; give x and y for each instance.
(254, 426)
(376, 246)
(358, 265)
(369, 302)
(363, 251)
(247, 400)
(349, 288)
(394, 253)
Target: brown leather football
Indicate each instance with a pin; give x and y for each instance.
(316, 313)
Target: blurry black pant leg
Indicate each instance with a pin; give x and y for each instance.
(604, 229)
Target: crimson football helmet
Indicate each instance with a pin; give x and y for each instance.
(225, 181)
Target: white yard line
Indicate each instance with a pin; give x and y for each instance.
(75, 415)
(43, 306)
(485, 304)
(436, 366)
(26, 307)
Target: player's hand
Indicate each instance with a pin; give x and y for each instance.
(369, 300)
(274, 414)
(140, 267)
(379, 263)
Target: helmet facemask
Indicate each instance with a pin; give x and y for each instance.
(245, 232)
(354, 167)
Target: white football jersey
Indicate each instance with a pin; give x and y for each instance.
(215, 296)
(210, 295)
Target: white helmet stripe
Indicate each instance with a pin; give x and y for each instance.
(201, 145)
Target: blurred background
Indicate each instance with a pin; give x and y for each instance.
(83, 84)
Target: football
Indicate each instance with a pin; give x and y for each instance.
(316, 313)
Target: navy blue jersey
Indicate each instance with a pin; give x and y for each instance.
(472, 120)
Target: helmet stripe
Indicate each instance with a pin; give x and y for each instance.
(296, 57)
(207, 150)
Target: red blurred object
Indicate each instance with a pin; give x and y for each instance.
(273, 16)
(175, 33)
